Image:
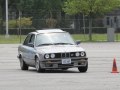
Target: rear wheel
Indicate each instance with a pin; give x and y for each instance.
(23, 65)
(37, 65)
(83, 68)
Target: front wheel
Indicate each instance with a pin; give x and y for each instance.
(83, 68)
(37, 65)
(23, 65)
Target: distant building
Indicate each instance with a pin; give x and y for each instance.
(112, 19)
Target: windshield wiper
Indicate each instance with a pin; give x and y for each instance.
(63, 43)
(45, 44)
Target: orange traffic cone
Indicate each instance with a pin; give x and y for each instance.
(114, 68)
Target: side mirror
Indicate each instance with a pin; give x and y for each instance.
(31, 44)
(78, 42)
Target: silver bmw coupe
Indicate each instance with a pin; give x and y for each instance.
(51, 49)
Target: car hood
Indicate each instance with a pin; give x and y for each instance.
(59, 49)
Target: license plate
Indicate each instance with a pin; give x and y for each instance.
(66, 61)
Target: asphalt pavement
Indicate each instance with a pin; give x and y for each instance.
(98, 76)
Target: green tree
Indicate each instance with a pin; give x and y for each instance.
(51, 6)
(3, 13)
(46, 9)
(37, 9)
(91, 8)
(25, 22)
(16, 5)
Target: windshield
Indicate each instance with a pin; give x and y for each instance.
(54, 39)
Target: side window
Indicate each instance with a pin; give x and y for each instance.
(115, 19)
(27, 40)
(32, 38)
(108, 20)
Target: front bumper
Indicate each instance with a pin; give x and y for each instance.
(57, 64)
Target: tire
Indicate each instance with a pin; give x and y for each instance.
(37, 66)
(83, 69)
(23, 65)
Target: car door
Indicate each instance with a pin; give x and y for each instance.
(29, 51)
(24, 48)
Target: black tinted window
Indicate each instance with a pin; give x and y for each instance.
(32, 39)
(27, 40)
(108, 20)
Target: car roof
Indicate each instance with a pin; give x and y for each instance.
(50, 31)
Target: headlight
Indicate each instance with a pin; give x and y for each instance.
(47, 56)
(77, 54)
(52, 55)
(82, 54)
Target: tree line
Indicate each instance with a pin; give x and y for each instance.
(47, 9)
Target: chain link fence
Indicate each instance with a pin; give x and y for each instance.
(79, 28)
